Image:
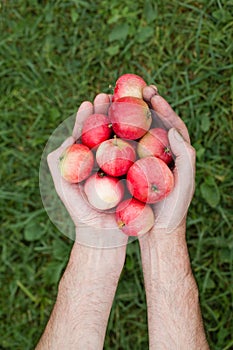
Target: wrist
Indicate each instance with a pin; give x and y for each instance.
(95, 268)
(163, 238)
(85, 295)
(165, 258)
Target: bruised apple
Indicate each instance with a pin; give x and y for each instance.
(76, 163)
(128, 85)
(155, 143)
(115, 156)
(150, 180)
(134, 218)
(130, 117)
(96, 129)
(103, 192)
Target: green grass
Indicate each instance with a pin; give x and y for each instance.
(53, 56)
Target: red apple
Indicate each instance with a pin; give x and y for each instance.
(96, 129)
(150, 180)
(155, 143)
(76, 163)
(134, 218)
(130, 117)
(129, 85)
(115, 156)
(103, 192)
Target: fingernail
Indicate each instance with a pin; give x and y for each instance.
(154, 87)
(178, 136)
(85, 106)
(149, 92)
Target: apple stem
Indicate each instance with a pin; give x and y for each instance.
(120, 224)
(148, 114)
(167, 150)
(101, 174)
(110, 125)
(154, 188)
(115, 140)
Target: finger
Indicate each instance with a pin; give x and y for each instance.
(85, 109)
(180, 147)
(168, 116)
(94, 228)
(101, 104)
(100, 230)
(72, 195)
(148, 92)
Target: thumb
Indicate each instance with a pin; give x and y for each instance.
(53, 164)
(168, 116)
(181, 149)
(53, 157)
(185, 157)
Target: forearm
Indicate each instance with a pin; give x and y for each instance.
(86, 292)
(174, 317)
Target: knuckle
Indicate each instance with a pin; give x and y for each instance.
(192, 152)
(50, 158)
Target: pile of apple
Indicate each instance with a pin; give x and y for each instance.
(121, 160)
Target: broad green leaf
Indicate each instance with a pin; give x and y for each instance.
(48, 13)
(54, 113)
(209, 180)
(113, 50)
(226, 255)
(53, 271)
(74, 15)
(210, 284)
(114, 18)
(119, 32)
(210, 193)
(205, 123)
(144, 34)
(60, 250)
(33, 231)
(150, 12)
(200, 152)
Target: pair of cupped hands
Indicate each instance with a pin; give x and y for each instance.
(99, 229)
